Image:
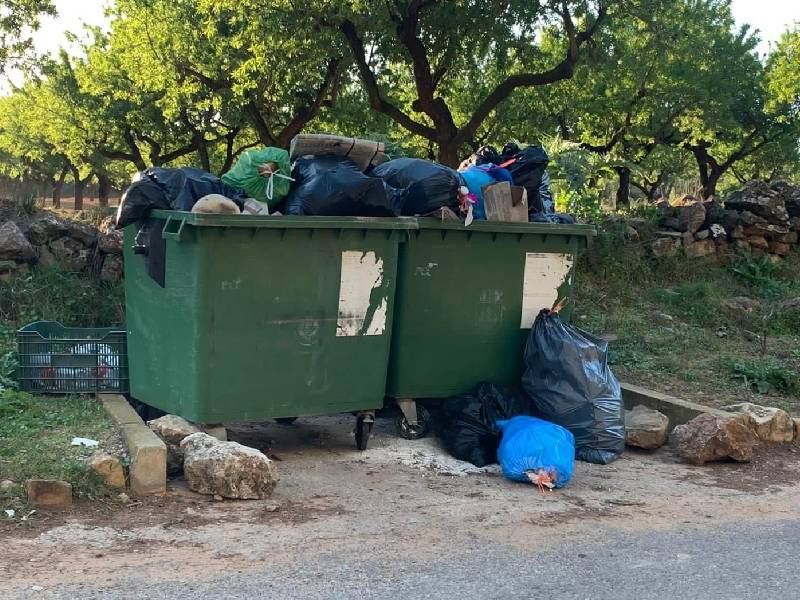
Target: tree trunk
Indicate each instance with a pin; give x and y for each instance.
(80, 188)
(58, 185)
(624, 189)
(710, 185)
(448, 154)
(103, 189)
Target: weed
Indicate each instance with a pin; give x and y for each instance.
(765, 376)
(762, 275)
(26, 206)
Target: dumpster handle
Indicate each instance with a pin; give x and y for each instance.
(173, 228)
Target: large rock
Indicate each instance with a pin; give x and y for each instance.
(72, 254)
(109, 468)
(701, 248)
(758, 198)
(49, 493)
(46, 227)
(708, 437)
(113, 268)
(13, 243)
(691, 217)
(645, 427)
(173, 429)
(227, 469)
(767, 423)
(663, 246)
(84, 233)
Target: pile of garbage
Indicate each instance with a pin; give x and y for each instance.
(326, 175)
(569, 406)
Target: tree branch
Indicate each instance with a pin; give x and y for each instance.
(304, 114)
(376, 100)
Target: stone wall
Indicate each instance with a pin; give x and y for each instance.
(760, 218)
(45, 239)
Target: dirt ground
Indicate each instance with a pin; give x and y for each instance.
(398, 498)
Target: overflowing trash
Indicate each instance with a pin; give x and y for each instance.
(425, 186)
(264, 174)
(467, 424)
(537, 451)
(336, 187)
(570, 383)
(170, 189)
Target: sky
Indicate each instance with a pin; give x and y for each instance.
(771, 17)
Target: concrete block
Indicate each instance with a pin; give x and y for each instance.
(677, 410)
(49, 493)
(119, 410)
(148, 468)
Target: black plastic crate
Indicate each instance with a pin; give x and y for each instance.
(54, 359)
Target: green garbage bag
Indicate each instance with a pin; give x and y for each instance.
(252, 174)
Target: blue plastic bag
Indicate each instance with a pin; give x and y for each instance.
(534, 446)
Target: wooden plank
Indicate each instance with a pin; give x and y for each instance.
(360, 151)
(499, 202)
(444, 213)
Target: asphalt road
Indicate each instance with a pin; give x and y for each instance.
(726, 562)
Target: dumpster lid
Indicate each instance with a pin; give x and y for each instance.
(588, 231)
(285, 222)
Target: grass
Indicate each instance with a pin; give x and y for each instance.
(673, 332)
(35, 436)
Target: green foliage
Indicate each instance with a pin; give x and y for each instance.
(35, 436)
(72, 299)
(762, 275)
(765, 376)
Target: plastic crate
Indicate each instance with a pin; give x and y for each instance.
(54, 359)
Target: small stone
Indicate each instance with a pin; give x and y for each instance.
(36, 588)
(218, 498)
(703, 234)
(767, 423)
(632, 234)
(663, 318)
(13, 243)
(228, 469)
(123, 497)
(717, 231)
(49, 493)
(645, 427)
(7, 485)
(73, 255)
(109, 468)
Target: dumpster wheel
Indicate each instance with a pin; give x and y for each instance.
(364, 430)
(416, 431)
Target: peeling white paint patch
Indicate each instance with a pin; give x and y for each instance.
(544, 274)
(362, 272)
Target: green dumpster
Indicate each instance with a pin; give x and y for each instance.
(246, 318)
(466, 300)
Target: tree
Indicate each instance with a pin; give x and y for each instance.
(18, 18)
(436, 47)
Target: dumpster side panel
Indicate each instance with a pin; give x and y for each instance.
(296, 322)
(162, 327)
(466, 302)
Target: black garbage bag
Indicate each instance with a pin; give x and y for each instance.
(176, 189)
(487, 155)
(545, 217)
(467, 424)
(328, 185)
(527, 169)
(569, 382)
(426, 185)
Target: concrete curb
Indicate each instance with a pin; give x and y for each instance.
(148, 469)
(679, 411)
